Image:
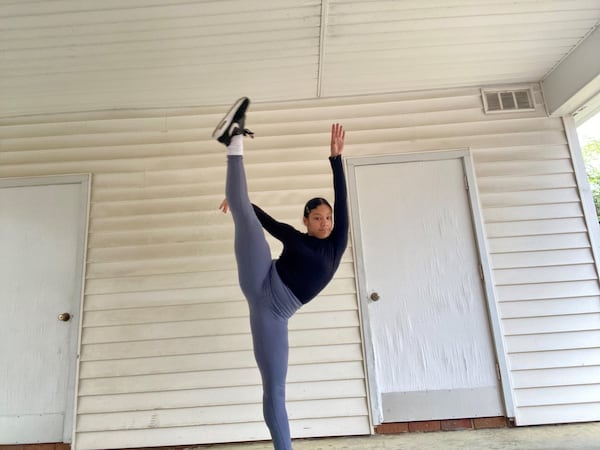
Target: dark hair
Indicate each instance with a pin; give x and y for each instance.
(313, 203)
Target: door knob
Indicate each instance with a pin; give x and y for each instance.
(374, 296)
(64, 317)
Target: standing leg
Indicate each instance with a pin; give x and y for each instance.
(270, 337)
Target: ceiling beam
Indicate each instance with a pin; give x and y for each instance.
(322, 39)
(576, 80)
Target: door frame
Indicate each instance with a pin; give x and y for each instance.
(464, 155)
(84, 180)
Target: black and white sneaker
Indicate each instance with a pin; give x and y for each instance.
(233, 122)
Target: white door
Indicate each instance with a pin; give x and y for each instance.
(42, 239)
(430, 350)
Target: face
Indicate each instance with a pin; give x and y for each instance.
(319, 222)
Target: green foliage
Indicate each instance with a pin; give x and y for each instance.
(591, 158)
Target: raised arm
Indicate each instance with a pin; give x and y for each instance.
(340, 214)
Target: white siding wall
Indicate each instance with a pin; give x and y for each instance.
(166, 351)
(166, 354)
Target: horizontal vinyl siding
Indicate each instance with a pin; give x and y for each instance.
(546, 281)
(166, 353)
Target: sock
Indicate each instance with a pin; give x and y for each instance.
(236, 146)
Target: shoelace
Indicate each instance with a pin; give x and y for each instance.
(243, 132)
(247, 132)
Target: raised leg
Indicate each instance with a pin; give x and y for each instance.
(252, 252)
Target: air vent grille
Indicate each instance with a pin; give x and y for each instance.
(507, 100)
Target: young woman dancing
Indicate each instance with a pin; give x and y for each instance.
(275, 290)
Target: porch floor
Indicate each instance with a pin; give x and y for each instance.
(583, 436)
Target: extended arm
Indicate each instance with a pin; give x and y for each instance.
(341, 223)
(278, 230)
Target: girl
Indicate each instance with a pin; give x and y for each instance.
(275, 290)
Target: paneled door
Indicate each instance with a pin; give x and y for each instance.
(42, 239)
(430, 352)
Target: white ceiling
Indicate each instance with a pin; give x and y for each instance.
(81, 55)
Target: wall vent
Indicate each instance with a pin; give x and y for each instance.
(507, 100)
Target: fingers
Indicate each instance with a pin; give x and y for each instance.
(338, 134)
(224, 206)
(337, 131)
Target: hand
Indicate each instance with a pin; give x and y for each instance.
(337, 139)
(224, 206)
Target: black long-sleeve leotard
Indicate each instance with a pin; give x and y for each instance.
(308, 263)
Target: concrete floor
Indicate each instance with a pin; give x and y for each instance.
(584, 436)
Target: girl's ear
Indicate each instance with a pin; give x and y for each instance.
(305, 221)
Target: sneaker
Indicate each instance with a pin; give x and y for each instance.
(233, 123)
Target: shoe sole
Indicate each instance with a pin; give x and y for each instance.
(227, 120)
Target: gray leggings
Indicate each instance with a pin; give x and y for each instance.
(270, 301)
